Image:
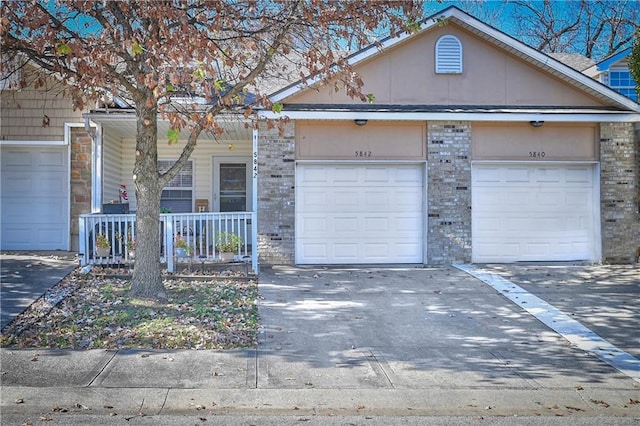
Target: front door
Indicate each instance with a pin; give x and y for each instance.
(232, 184)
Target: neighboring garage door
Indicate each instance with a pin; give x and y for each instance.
(35, 198)
(357, 214)
(533, 213)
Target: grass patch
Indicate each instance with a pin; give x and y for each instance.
(97, 313)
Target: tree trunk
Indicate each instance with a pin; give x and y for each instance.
(147, 278)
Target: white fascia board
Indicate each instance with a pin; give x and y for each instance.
(101, 117)
(454, 116)
(33, 143)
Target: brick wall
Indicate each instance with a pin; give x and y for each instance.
(80, 180)
(619, 169)
(276, 195)
(449, 192)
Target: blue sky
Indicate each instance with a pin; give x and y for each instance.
(500, 15)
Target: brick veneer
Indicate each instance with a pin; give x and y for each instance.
(619, 169)
(449, 192)
(80, 180)
(276, 195)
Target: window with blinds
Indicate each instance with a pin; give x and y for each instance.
(448, 55)
(177, 196)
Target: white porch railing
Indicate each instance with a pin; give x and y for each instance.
(198, 229)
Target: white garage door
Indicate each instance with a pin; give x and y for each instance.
(533, 213)
(350, 214)
(35, 198)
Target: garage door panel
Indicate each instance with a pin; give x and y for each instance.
(546, 218)
(403, 200)
(579, 200)
(344, 224)
(487, 175)
(35, 199)
(53, 160)
(345, 174)
(548, 175)
(376, 175)
(376, 225)
(377, 251)
(313, 174)
(409, 175)
(514, 175)
(376, 199)
(579, 176)
(17, 210)
(344, 199)
(369, 214)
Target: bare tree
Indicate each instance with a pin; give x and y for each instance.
(593, 28)
(147, 51)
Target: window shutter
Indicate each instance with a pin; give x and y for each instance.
(448, 55)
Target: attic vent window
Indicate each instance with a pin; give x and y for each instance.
(448, 55)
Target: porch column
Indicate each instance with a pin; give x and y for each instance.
(254, 196)
(96, 169)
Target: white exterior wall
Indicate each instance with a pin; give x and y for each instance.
(112, 156)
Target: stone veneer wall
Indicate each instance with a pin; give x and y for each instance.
(449, 192)
(80, 180)
(619, 169)
(276, 195)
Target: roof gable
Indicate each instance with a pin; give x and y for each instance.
(524, 62)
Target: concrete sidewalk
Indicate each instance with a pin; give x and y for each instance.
(349, 342)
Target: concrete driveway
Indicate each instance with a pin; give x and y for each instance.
(417, 328)
(28, 275)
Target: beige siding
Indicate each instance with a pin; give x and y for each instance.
(112, 168)
(406, 75)
(520, 141)
(340, 140)
(203, 163)
(22, 113)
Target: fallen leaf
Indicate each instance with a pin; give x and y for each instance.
(600, 402)
(112, 414)
(573, 408)
(360, 407)
(19, 401)
(634, 401)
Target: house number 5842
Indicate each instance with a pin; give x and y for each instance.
(363, 153)
(537, 154)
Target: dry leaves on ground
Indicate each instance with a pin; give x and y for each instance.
(94, 311)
